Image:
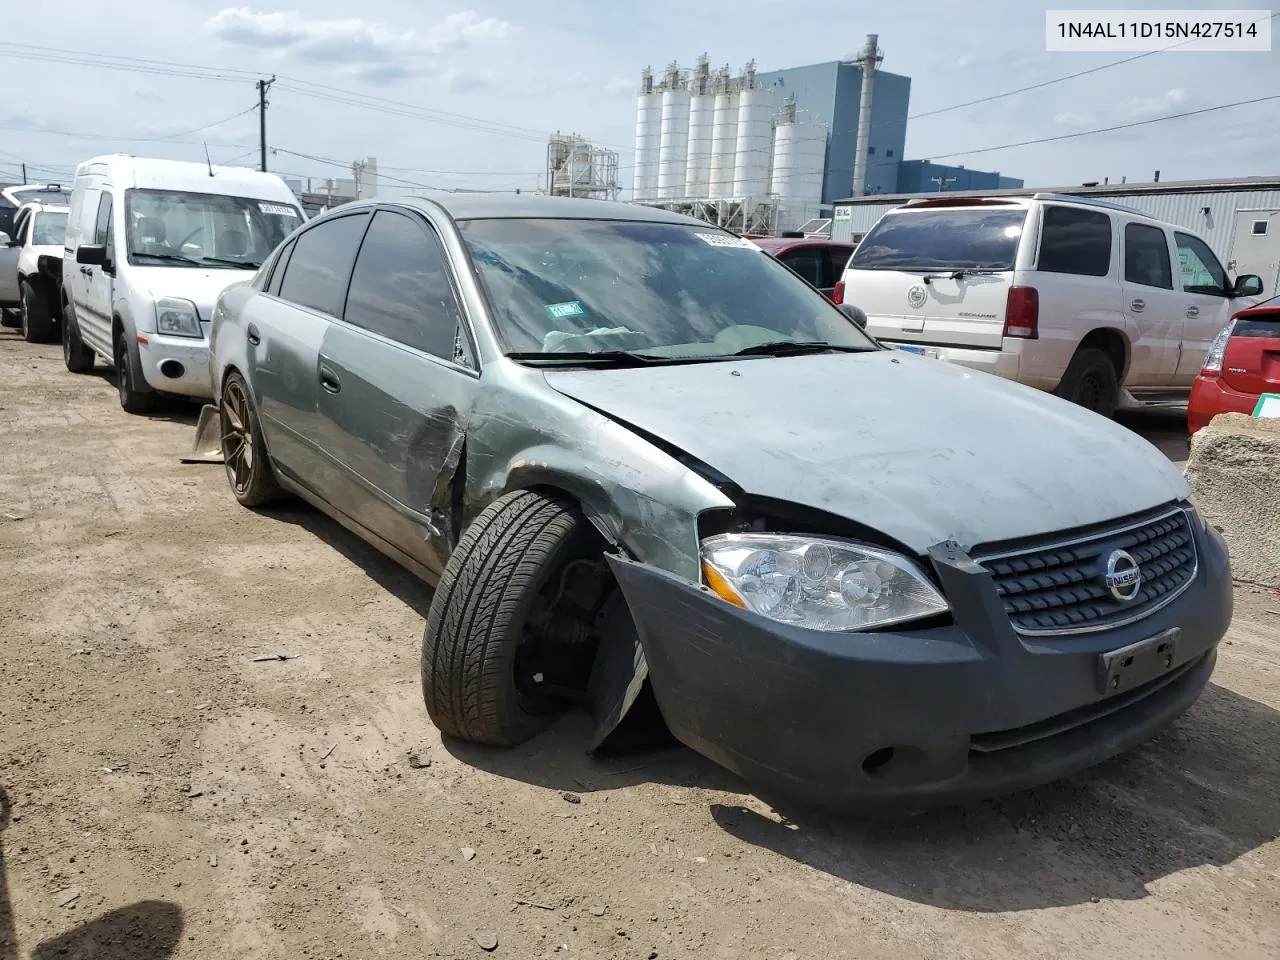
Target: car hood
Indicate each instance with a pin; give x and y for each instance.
(197, 284)
(921, 450)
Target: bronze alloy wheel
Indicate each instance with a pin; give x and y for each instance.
(237, 437)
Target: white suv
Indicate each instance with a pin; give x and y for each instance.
(1081, 297)
(31, 268)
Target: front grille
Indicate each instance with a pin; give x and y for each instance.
(1060, 588)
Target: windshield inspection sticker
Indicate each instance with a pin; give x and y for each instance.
(722, 240)
(570, 308)
(278, 210)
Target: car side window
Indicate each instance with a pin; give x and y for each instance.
(1075, 241)
(400, 287)
(1146, 256)
(317, 273)
(806, 261)
(277, 270)
(1201, 271)
(837, 258)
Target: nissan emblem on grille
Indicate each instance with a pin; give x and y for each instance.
(1124, 576)
(916, 296)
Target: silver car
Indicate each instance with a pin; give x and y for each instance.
(637, 456)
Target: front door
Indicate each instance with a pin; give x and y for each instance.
(398, 383)
(9, 254)
(1152, 307)
(1206, 304)
(1255, 247)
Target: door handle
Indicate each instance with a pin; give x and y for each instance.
(329, 379)
(1137, 306)
(252, 335)
(86, 271)
(1193, 311)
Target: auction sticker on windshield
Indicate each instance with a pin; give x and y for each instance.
(278, 210)
(570, 308)
(720, 240)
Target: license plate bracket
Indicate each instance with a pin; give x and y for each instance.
(1138, 663)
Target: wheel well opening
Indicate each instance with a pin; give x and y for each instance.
(1113, 344)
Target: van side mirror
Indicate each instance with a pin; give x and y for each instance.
(854, 314)
(4, 239)
(1247, 285)
(91, 254)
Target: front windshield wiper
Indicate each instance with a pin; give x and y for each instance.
(786, 348)
(242, 264)
(172, 257)
(611, 358)
(962, 272)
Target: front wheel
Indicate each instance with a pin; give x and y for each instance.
(131, 400)
(482, 658)
(38, 324)
(249, 470)
(77, 357)
(1092, 382)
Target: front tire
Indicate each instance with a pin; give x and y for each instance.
(38, 324)
(244, 452)
(476, 646)
(77, 357)
(131, 400)
(1092, 382)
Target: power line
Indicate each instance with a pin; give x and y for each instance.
(168, 138)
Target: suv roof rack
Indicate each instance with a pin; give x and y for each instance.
(1090, 202)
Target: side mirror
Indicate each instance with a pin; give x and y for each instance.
(4, 239)
(91, 254)
(1247, 285)
(854, 314)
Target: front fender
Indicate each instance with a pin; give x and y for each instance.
(122, 313)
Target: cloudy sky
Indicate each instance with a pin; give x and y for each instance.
(462, 94)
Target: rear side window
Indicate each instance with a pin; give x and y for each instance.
(837, 260)
(277, 270)
(1146, 256)
(806, 261)
(317, 273)
(936, 239)
(400, 287)
(1075, 241)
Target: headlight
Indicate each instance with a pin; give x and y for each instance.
(817, 583)
(177, 318)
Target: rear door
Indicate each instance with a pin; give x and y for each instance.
(1251, 363)
(1153, 309)
(399, 381)
(1206, 304)
(285, 327)
(904, 273)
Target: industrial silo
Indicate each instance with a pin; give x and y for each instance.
(697, 176)
(673, 152)
(755, 138)
(644, 182)
(799, 166)
(724, 137)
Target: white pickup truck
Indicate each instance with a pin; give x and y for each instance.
(1086, 298)
(31, 268)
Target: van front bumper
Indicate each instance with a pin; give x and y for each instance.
(178, 365)
(910, 719)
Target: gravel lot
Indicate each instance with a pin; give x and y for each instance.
(169, 796)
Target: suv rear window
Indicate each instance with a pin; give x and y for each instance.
(1076, 242)
(935, 239)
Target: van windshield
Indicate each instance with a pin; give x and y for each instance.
(982, 239)
(176, 228)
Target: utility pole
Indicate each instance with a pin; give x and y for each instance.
(942, 182)
(24, 172)
(262, 119)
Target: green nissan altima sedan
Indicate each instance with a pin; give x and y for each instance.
(638, 457)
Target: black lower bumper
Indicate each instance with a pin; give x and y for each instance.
(916, 718)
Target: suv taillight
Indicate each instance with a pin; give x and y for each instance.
(1022, 313)
(1217, 350)
(837, 295)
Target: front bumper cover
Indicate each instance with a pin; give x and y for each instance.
(912, 717)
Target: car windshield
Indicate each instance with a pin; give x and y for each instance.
(50, 230)
(982, 239)
(173, 228)
(657, 289)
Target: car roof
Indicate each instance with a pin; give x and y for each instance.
(497, 206)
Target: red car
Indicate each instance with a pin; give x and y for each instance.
(1242, 364)
(821, 262)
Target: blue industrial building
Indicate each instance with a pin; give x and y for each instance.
(830, 92)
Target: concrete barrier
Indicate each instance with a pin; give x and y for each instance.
(1234, 474)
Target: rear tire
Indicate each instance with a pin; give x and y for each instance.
(131, 400)
(38, 324)
(8, 318)
(476, 626)
(244, 452)
(1091, 381)
(77, 357)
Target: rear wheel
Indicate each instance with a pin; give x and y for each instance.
(249, 470)
(131, 400)
(38, 324)
(1092, 382)
(77, 357)
(8, 318)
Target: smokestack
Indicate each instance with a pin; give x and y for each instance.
(869, 61)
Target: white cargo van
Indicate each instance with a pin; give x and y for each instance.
(150, 246)
(1082, 297)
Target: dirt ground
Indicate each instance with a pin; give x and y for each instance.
(170, 795)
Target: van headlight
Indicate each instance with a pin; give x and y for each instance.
(818, 583)
(177, 318)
